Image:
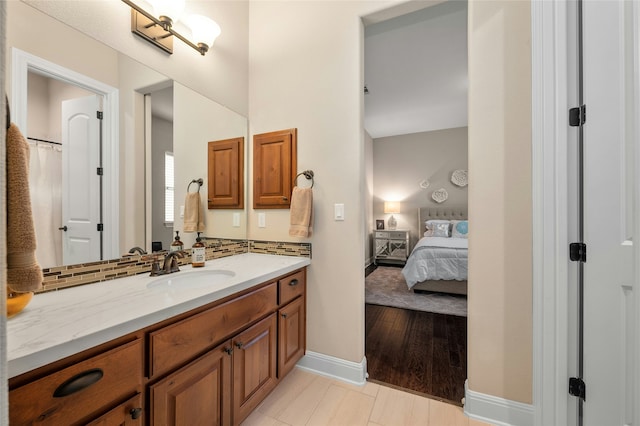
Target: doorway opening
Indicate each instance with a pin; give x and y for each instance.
(416, 124)
(28, 68)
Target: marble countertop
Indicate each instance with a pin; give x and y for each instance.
(62, 323)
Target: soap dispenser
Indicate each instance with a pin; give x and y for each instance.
(176, 245)
(197, 253)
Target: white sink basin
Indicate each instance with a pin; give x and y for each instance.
(192, 279)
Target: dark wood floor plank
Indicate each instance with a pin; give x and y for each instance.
(420, 351)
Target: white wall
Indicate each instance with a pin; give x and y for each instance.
(4, 394)
(401, 162)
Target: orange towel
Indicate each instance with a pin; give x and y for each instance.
(301, 212)
(23, 272)
(193, 213)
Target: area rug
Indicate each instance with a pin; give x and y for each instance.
(386, 286)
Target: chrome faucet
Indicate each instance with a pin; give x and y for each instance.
(171, 263)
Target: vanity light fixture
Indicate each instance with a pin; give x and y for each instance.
(157, 28)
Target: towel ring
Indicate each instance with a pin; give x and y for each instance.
(198, 181)
(308, 174)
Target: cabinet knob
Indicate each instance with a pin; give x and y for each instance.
(135, 413)
(284, 316)
(239, 345)
(229, 351)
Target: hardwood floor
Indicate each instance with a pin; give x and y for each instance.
(419, 351)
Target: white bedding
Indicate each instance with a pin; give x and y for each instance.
(437, 258)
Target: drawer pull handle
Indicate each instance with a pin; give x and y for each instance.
(135, 413)
(78, 382)
(293, 282)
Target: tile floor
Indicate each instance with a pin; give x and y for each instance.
(304, 398)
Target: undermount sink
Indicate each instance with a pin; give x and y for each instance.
(193, 279)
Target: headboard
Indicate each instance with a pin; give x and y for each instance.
(446, 213)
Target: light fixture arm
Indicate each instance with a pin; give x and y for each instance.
(165, 24)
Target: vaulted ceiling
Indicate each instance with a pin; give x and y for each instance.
(416, 71)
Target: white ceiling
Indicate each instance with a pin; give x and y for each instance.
(415, 69)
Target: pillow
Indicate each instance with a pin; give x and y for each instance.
(460, 229)
(438, 228)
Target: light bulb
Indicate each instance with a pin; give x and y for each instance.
(204, 31)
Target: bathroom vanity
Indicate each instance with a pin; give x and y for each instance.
(166, 350)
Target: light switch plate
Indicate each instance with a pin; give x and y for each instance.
(338, 211)
(262, 220)
(236, 220)
(181, 212)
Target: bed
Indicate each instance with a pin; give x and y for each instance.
(437, 263)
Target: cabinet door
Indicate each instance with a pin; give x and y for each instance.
(226, 174)
(254, 366)
(128, 414)
(197, 394)
(274, 168)
(291, 336)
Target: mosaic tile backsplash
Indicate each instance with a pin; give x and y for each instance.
(67, 276)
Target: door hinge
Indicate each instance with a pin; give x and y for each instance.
(577, 116)
(578, 252)
(577, 387)
(100, 227)
(100, 171)
(99, 114)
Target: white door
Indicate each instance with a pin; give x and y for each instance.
(608, 213)
(80, 180)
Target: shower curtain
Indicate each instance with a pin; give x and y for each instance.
(45, 185)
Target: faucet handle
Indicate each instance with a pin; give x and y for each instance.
(155, 265)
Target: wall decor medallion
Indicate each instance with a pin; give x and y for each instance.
(424, 184)
(459, 178)
(440, 196)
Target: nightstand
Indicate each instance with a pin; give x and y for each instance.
(391, 246)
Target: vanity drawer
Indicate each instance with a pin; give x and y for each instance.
(79, 393)
(291, 286)
(177, 343)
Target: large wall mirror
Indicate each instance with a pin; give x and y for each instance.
(152, 128)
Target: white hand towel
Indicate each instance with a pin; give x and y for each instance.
(193, 213)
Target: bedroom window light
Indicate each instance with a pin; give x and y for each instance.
(392, 207)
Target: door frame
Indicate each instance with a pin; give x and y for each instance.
(23, 62)
(550, 182)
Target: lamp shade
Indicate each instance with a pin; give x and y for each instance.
(170, 8)
(203, 30)
(392, 207)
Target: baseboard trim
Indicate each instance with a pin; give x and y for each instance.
(336, 368)
(497, 411)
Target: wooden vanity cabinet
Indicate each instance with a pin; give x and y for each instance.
(85, 390)
(197, 394)
(212, 365)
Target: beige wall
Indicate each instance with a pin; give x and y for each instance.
(306, 72)
(401, 162)
(369, 222)
(221, 75)
(500, 270)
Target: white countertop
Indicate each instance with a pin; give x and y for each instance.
(61, 323)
